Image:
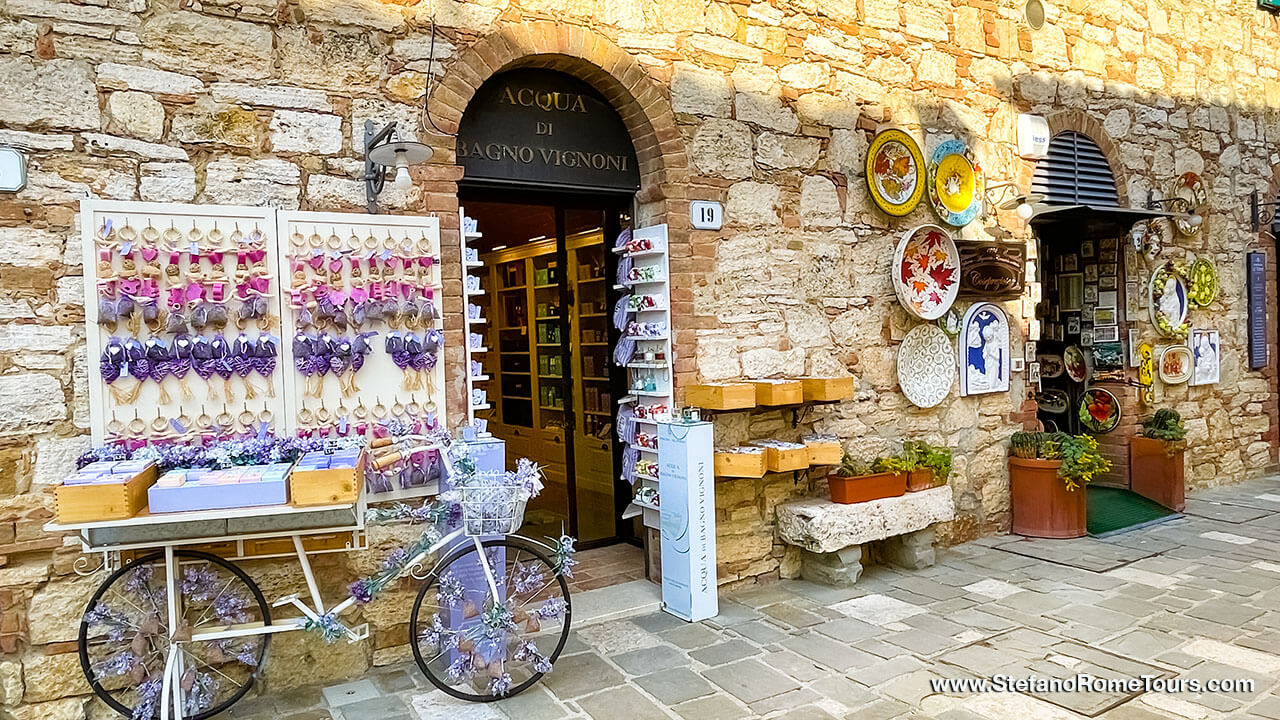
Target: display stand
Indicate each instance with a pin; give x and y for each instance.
(688, 512)
(473, 321)
(650, 390)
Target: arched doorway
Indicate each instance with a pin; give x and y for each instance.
(550, 176)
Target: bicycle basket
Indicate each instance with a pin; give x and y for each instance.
(492, 509)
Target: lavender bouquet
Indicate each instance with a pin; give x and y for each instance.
(492, 502)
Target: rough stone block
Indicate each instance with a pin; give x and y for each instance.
(840, 568)
(55, 93)
(27, 247)
(819, 525)
(208, 122)
(245, 181)
(137, 114)
(723, 148)
(329, 59)
(11, 687)
(144, 79)
(64, 709)
(29, 399)
(698, 91)
(911, 551)
(167, 182)
(306, 132)
(193, 42)
(50, 677)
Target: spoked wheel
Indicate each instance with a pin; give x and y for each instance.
(125, 641)
(476, 647)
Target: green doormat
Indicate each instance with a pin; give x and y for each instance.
(1113, 510)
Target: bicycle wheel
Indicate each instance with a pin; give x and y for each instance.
(478, 648)
(125, 641)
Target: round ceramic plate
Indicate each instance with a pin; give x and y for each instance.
(1169, 302)
(1175, 365)
(955, 183)
(926, 366)
(1055, 402)
(1204, 282)
(1099, 410)
(1190, 188)
(895, 172)
(1050, 366)
(926, 271)
(1076, 366)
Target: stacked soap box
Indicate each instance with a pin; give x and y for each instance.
(104, 490)
(199, 489)
(328, 479)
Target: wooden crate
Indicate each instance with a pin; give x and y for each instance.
(785, 459)
(721, 396)
(91, 503)
(778, 392)
(823, 452)
(818, 389)
(335, 486)
(739, 464)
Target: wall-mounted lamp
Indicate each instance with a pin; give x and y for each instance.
(381, 153)
(1178, 205)
(1005, 196)
(1261, 213)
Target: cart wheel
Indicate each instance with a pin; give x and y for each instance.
(476, 647)
(125, 640)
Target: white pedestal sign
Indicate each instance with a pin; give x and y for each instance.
(686, 493)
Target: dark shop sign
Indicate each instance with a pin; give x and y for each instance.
(992, 270)
(543, 127)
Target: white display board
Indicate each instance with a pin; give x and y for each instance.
(686, 462)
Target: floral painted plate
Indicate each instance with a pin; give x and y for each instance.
(1054, 402)
(1175, 365)
(1190, 188)
(1204, 282)
(925, 365)
(955, 183)
(926, 271)
(1169, 301)
(1099, 410)
(1051, 366)
(1076, 366)
(895, 172)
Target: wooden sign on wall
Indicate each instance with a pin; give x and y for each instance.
(992, 270)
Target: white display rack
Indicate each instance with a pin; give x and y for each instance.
(657, 369)
(470, 324)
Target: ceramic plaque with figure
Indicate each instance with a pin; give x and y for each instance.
(984, 352)
(1206, 349)
(1169, 300)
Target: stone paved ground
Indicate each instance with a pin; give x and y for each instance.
(1195, 598)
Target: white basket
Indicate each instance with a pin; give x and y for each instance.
(491, 509)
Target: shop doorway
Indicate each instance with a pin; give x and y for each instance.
(552, 383)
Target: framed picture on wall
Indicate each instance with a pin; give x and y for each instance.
(1071, 292)
(1109, 243)
(1106, 333)
(1090, 294)
(1073, 325)
(1086, 338)
(1104, 316)
(1070, 263)
(1107, 282)
(1109, 257)
(1206, 352)
(1091, 273)
(1108, 299)
(1132, 301)
(1087, 249)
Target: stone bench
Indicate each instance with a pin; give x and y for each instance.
(831, 535)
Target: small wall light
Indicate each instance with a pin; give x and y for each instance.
(1005, 196)
(381, 153)
(1178, 205)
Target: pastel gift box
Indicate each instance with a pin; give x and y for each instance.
(221, 489)
(103, 493)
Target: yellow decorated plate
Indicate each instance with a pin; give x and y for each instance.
(895, 172)
(956, 183)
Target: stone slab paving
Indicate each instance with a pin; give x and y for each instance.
(1196, 598)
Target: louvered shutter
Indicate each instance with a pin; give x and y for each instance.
(1075, 172)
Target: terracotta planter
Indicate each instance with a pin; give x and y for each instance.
(1155, 474)
(1042, 505)
(847, 490)
(918, 480)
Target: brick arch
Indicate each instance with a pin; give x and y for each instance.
(1088, 125)
(641, 102)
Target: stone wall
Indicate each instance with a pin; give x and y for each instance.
(766, 108)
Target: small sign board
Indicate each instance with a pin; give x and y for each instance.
(1257, 285)
(706, 215)
(992, 270)
(686, 485)
(13, 170)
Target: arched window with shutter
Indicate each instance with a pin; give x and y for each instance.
(1075, 172)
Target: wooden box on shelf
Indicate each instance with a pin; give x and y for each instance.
(778, 392)
(785, 457)
(721, 396)
(824, 452)
(740, 463)
(819, 389)
(108, 501)
(332, 486)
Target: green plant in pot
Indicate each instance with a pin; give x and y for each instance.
(1156, 468)
(1166, 425)
(1081, 461)
(856, 480)
(1047, 473)
(925, 465)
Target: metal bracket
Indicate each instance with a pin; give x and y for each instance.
(374, 174)
(797, 474)
(800, 414)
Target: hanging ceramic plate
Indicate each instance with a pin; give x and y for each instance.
(895, 172)
(1099, 410)
(926, 271)
(950, 322)
(1055, 402)
(1073, 360)
(1051, 366)
(1169, 302)
(955, 183)
(1190, 188)
(925, 365)
(1175, 365)
(1204, 282)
